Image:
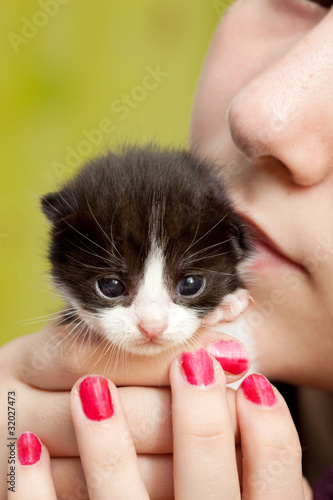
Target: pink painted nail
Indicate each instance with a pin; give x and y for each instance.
(231, 355)
(29, 448)
(258, 390)
(96, 398)
(198, 367)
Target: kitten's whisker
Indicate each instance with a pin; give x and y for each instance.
(88, 239)
(88, 265)
(194, 237)
(111, 233)
(77, 334)
(109, 350)
(206, 233)
(53, 337)
(210, 271)
(98, 346)
(91, 354)
(83, 340)
(108, 237)
(54, 294)
(202, 250)
(38, 319)
(90, 336)
(68, 334)
(193, 341)
(92, 253)
(65, 201)
(211, 256)
(120, 355)
(62, 321)
(113, 354)
(100, 356)
(125, 359)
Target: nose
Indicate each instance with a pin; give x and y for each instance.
(287, 111)
(152, 329)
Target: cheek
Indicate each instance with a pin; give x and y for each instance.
(117, 324)
(290, 323)
(182, 325)
(251, 36)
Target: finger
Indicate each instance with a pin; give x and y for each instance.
(106, 448)
(148, 412)
(308, 493)
(147, 409)
(271, 450)
(61, 353)
(31, 475)
(204, 445)
(156, 471)
(46, 414)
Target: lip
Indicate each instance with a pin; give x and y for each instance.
(266, 251)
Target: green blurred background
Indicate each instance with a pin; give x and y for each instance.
(70, 67)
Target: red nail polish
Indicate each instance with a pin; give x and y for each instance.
(96, 398)
(29, 448)
(231, 355)
(258, 390)
(198, 367)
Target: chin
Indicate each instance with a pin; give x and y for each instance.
(149, 348)
(291, 336)
(145, 347)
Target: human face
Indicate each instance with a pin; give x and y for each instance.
(264, 109)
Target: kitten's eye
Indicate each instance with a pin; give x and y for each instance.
(191, 285)
(110, 287)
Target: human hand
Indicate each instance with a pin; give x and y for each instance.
(205, 461)
(42, 368)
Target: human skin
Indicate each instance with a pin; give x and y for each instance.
(263, 109)
(204, 455)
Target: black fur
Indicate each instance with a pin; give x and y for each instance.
(104, 220)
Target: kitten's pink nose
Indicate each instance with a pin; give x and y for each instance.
(152, 330)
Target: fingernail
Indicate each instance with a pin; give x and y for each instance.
(258, 390)
(198, 367)
(231, 355)
(29, 448)
(96, 398)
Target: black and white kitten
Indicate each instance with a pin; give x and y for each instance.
(145, 247)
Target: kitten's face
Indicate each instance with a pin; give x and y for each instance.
(153, 316)
(144, 246)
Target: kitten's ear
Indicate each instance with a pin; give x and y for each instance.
(52, 207)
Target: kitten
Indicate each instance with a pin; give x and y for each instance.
(145, 247)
